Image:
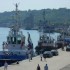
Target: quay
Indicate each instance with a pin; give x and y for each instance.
(59, 62)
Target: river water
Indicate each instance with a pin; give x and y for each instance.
(34, 36)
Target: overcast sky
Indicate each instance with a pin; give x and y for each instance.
(8, 5)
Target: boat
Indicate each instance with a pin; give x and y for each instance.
(14, 48)
(63, 39)
(67, 36)
(60, 41)
(45, 43)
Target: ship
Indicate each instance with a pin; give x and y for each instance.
(60, 41)
(64, 38)
(45, 43)
(14, 48)
(67, 36)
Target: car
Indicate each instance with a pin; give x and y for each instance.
(54, 52)
(47, 54)
(68, 48)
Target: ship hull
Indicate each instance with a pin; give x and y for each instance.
(42, 49)
(11, 59)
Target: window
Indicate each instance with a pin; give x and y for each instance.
(13, 40)
(19, 40)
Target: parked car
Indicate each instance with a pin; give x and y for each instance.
(47, 54)
(68, 48)
(54, 52)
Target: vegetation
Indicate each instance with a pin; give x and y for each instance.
(33, 18)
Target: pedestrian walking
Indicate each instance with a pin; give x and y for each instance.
(44, 57)
(62, 47)
(41, 55)
(38, 67)
(46, 67)
(5, 65)
(17, 62)
(29, 57)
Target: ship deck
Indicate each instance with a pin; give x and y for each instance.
(60, 62)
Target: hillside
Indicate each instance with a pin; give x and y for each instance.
(32, 18)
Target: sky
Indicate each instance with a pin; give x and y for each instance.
(9, 5)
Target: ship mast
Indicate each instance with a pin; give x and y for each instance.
(16, 18)
(44, 16)
(16, 13)
(15, 27)
(44, 20)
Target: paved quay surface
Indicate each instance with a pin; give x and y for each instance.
(66, 67)
(55, 63)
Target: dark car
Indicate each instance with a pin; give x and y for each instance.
(68, 48)
(54, 52)
(47, 54)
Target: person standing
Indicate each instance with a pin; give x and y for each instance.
(5, 65)
(38, 67)
(46, 67)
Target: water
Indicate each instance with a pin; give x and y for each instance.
(34, 36)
